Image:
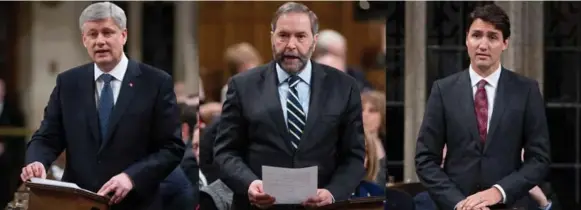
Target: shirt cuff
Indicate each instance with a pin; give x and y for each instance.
(547, 207)
(332, 198)
(501, 192)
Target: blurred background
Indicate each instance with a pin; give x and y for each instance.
(396, 48)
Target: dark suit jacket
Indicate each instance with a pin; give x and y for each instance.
(144, 138)
(252, 132)
(191, 169)
(210, 170)
(12, 159)
(518, 121)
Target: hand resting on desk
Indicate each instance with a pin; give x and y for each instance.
(33, 170)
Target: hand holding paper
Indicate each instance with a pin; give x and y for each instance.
(290, 185)
(322, 198)
(257, 196)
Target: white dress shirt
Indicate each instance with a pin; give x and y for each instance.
(118, 73)
(491, 88)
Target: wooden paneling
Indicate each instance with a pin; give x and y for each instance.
(224, 23)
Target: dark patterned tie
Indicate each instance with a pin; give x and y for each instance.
(105, 104)
(481, 108)
(296, 117)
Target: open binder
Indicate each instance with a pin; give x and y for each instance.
(54, 195)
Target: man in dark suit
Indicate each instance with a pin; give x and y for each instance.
(12, 148)
(291, 113)
(485, 115)
(117, 119)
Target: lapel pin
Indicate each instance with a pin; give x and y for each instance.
(130, 84)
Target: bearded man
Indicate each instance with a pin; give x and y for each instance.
(291, 113)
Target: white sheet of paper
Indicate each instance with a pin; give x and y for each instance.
(58, 184)
(290, 185)
(54, 183)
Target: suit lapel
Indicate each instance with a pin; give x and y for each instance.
(87, 88)
(123, 100)
(500, 100)
(271, 99)
(316, 104)
(466, 102)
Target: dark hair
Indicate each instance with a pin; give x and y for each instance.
(493, 14)
(188, 115)
(293, 7)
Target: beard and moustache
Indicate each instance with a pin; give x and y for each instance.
(290, 62)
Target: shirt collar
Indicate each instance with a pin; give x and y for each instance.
(118, 72)
(305, 74)
(492, 79)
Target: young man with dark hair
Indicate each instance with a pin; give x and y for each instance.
(485, 115)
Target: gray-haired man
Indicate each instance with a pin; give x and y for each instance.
(117, 119)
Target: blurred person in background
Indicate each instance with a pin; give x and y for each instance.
(369, 186)
(374, 125)
(239, 58)
(291, 113)
(117, 119)
(179, 190)
(12, 148)
(332, 61)
(208, 134)
(332, 45)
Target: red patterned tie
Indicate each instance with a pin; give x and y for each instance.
(481, 108)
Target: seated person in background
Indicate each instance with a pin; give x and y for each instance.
(239, 58)
(424, 202)
(367, 187)
(177, 191)
(195, 150)
(331, 50)
(208, 168)
(332, 61)
(214, 194)
(373, 107)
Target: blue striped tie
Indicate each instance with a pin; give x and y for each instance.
(105, 104)
(296, 117)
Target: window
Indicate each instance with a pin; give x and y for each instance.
(158, 35)
(447, 23)
(395, 87)
(562, 92)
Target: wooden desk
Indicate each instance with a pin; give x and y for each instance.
(411, 188)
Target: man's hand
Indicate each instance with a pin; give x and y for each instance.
(480, 200)
(538, 195)
(322, 198)
(257, 196)
(120, 185)
(35, 169)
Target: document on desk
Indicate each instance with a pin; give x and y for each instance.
(54, 183)
(58, 184)
(290, 185)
